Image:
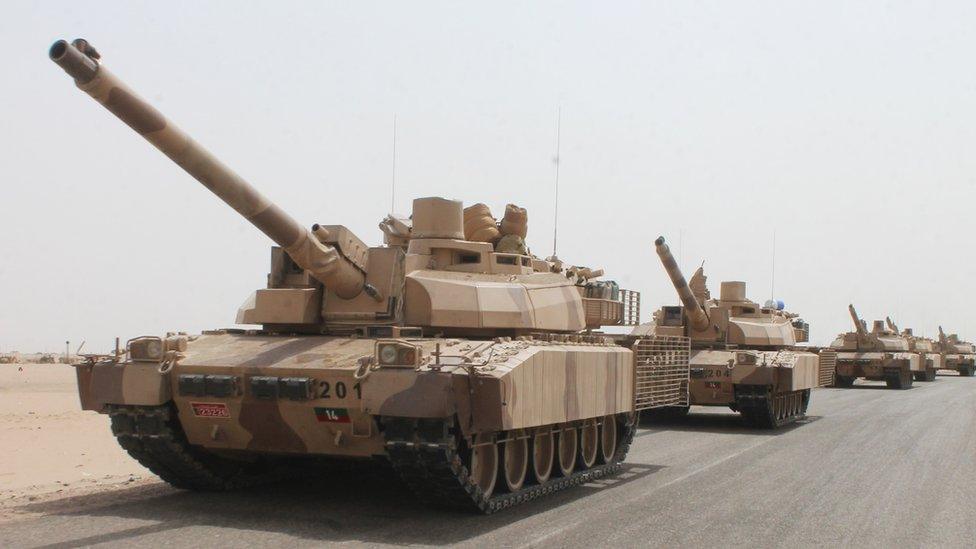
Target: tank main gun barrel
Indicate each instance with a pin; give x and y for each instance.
(861, 332)
(696, 315)
(323, 261)
(891, 325)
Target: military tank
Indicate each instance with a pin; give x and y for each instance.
(879, 355)
(930, 360)
(743, 355)
(957, 355)
(473, 367)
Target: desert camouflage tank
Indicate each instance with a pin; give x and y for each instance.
(471, 365)
(879, 355)
(956, 354)
(930, 360)
(743, 355)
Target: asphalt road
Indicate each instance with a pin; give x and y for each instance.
(870, 467)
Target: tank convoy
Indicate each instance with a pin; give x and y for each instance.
(881, 354)
(474, 367)
(957, 355)
(743, 355)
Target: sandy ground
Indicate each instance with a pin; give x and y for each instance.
(49, 448)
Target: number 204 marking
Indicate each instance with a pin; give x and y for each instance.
(339, 390)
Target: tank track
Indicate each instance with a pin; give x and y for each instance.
(927, 375)
(898, 379)
(425, 454)
(762, 408)
(152, 435)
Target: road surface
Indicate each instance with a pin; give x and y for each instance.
(870, 467)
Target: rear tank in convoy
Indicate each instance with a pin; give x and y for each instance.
(471, 365)
(957, 355)
(881, 354)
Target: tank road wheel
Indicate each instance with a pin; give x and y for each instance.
(589, 444)
(763, 409)
(515, 461)
(566, 450)
(484, 463)
(447, 469)
(844, 381)
(543, 455)
(608, 439)
(930, 374)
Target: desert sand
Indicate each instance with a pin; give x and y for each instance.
(49, 447)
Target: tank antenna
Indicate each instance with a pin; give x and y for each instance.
(772, 276)
(681, 235)
(393, 182)
(555, 160)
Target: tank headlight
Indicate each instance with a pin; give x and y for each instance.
(407, 355)
(146, 349)
(388, 354)
(397, 353)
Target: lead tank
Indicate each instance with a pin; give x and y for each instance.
(743, 355)
(879, 355)
(450, 351)
(957, 355)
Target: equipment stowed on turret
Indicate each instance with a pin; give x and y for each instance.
(881, 354)
(743, 356)
(468, 363)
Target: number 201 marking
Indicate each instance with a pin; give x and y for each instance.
(326, 390)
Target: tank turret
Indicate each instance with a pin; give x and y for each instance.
(883, 336)
(732, 319)
(324, 279)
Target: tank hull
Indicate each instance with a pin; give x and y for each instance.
(237, 408)
(716, 374)
(524, 385)
(769, 388)
(898, 370)
(963, 364)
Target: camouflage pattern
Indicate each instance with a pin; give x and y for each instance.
(930, 360)
(364, 350)
(881, 354)
(739, 348)
(957, 355)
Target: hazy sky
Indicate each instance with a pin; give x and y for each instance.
(845, 127)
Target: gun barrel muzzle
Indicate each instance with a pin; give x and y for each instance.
(76, 63)
(81, 62)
